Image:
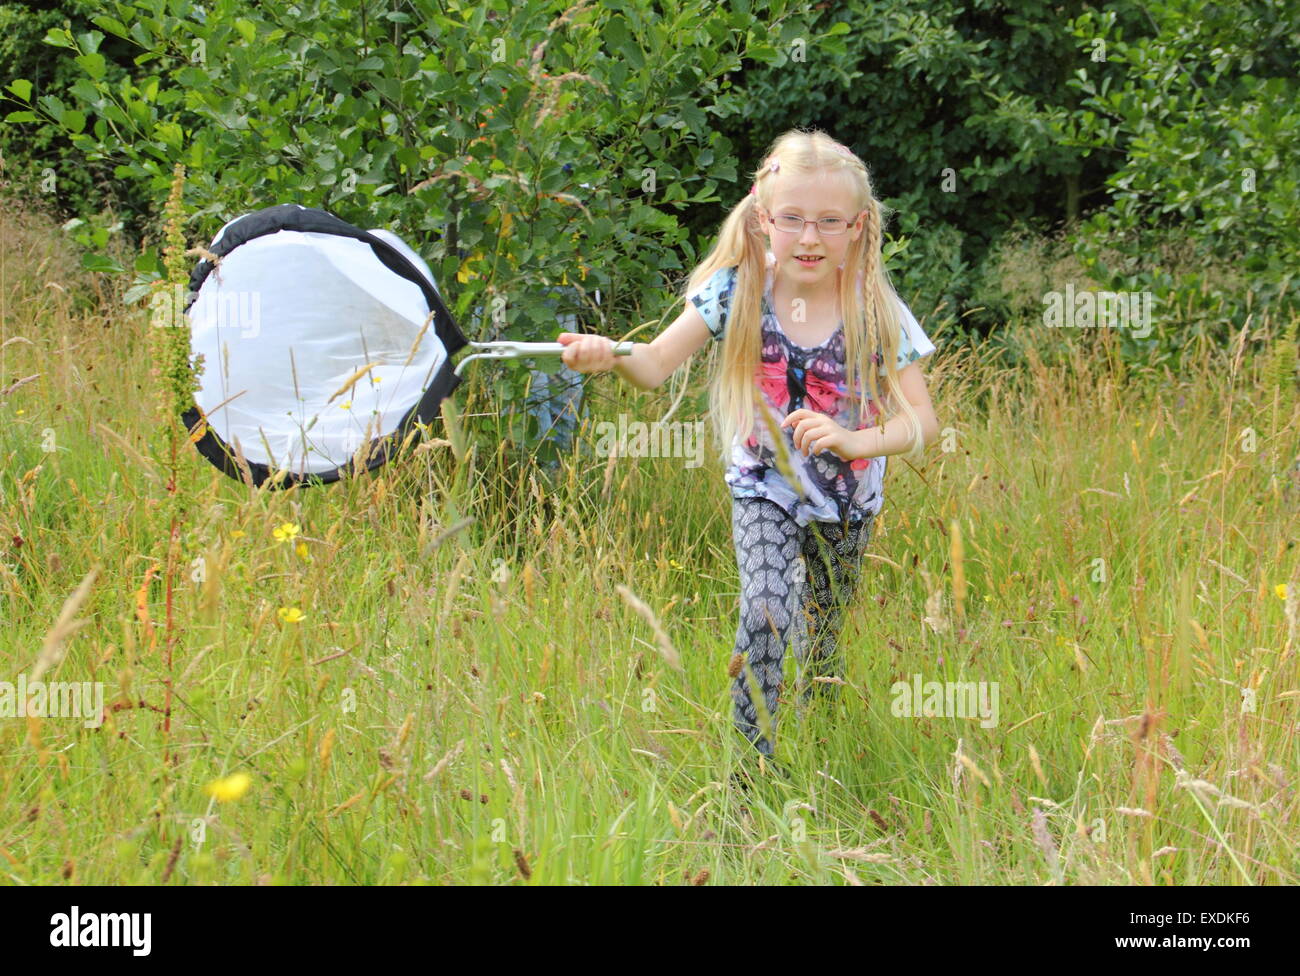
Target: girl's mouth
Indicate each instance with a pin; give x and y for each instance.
(808, 259)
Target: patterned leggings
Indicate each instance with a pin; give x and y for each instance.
(768, 544)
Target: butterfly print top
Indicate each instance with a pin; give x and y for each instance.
(793, 376)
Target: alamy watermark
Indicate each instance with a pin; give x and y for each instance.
(229, 310)
(946, 699)
(53, 699)
(1102, 309)
(75, 929)
(655, 439)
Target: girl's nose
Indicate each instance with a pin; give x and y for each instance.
(809, 234)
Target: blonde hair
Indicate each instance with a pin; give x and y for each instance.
(871, 312)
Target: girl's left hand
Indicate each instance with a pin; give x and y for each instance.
(815, 431)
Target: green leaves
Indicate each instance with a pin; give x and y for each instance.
(471, 128)
(101, 262)
(1199, 144)
(511, 151)
(60, 37)
(93, 63)
(110, 24)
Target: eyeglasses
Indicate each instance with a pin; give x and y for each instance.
(827, 226)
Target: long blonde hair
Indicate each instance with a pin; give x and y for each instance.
(871, 314)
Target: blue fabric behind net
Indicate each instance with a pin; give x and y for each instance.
(555, 399)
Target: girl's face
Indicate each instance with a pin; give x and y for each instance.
(813, 198)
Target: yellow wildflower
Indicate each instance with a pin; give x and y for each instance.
(1280, 590)
(230, 788)
(285, 532)
(291, 615)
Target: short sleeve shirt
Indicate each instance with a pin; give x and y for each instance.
(793, 376)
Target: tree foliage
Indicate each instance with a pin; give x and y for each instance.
(540, 152)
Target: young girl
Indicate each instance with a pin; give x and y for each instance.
(796, 295)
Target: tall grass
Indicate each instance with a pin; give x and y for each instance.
(469, 698)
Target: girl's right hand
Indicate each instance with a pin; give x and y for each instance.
(587, 353)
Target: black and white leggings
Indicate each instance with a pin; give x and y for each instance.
(768, 545)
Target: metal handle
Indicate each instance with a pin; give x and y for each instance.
(516, 350)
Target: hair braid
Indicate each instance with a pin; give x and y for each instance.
(871, 313)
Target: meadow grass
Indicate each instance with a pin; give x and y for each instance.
(469, 696)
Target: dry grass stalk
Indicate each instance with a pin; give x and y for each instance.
(54, 646)
(661, 637)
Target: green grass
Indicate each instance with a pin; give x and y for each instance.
(427, 723)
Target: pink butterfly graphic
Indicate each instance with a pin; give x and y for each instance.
(824, 397)
(771, 380)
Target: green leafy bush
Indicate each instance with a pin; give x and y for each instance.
(523, 147)
(1205, 116)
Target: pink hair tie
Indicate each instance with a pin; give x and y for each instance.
(775, 167)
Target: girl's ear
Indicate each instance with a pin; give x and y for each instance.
(857, 224)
